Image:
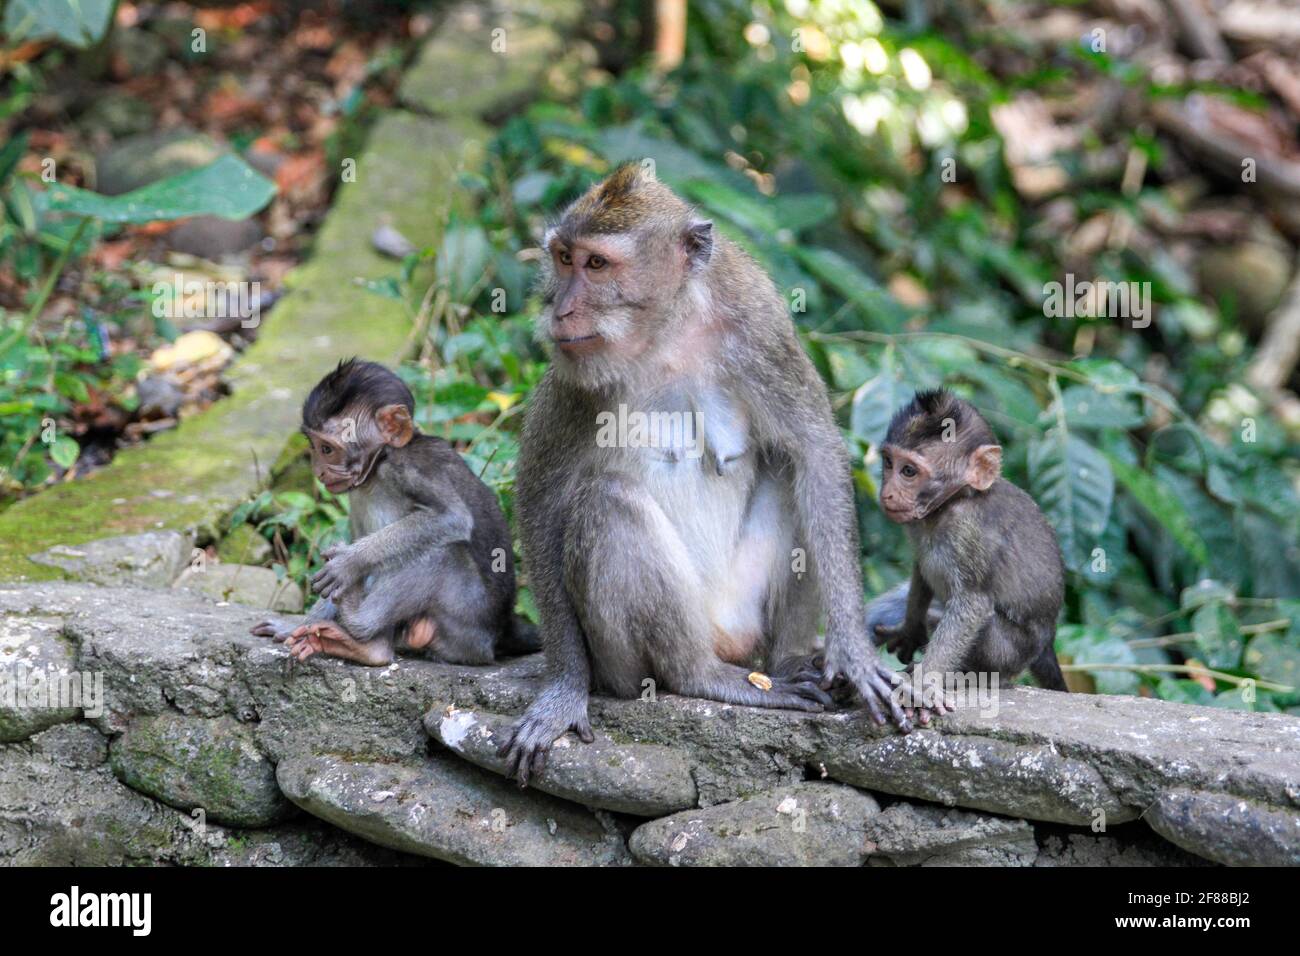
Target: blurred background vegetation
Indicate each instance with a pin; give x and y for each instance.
(914, 176)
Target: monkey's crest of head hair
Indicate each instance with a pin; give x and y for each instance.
(627, 199)
(354, 384)
(934, 415)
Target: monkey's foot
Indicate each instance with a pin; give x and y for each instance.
(326, 637)
(276, 630)
(546, 721)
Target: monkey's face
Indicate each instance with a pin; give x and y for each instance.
(602, 298)
(915, 482)
(344, 449)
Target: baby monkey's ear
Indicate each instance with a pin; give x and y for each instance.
(395, 425)
(984, 467)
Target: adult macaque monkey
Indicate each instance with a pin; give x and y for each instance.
(430, 566)
(650, 564)
(982, 546)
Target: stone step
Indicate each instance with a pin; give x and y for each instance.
(447, 809)
(644, 780)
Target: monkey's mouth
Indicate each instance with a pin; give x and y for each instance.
(580, 344)
(899, 515)
(337, 486)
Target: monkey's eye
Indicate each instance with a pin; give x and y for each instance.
(565, 257)
(887, 461)
(908, 471)
(596, 262)
(326, 449)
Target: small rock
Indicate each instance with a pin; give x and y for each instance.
(1227, 829)
(244, 545)
(243, 584)
(806, 824)
(159, 397)
(446, 809)
(192, 763)
(645, 780)
(390, 242)
(214, 238)
(152, 559)
(78, 746)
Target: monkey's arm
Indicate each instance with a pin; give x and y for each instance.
(440, 518)
(965, 615)
(823, 494)
(910, 635)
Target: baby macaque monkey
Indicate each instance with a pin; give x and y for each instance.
(982, 548)
(430, 567)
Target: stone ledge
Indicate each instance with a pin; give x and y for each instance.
(1226, 782)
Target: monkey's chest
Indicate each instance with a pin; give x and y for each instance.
(371, 508)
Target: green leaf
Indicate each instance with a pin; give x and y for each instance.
(1218, 636)
(463, 259)
(65, 451)
(71, 386)
(1275, 656)
(803, 210)
(78, 23)
(747, 212)
(1098, 645)
(227, 187)
(854, 284)
(1086, 407)
(1162, 506)
(875, 402)
(1075, 487)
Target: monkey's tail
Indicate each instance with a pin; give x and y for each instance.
(521, 637)
(888, 609)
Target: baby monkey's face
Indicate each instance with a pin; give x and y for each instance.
(338, 459)
(345, 447)
(908, 488)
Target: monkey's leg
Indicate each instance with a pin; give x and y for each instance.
(451, 614)
(279, 631)
(646, 611)
(327, 637)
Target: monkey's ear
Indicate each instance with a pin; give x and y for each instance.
(985, 467)
(395, 425)
(698, 241)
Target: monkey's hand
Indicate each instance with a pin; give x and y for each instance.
(871, 680)
(902, 639)
(557, 710)
(343, 571)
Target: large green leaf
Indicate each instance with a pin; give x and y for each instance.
(78, 23)
(1086, 407)
(1075, 487)
(748, 212)
(1162, 505)
(855, 285)
(1099, 645)
(875, 402)
(227, 187)
(1218, 636)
